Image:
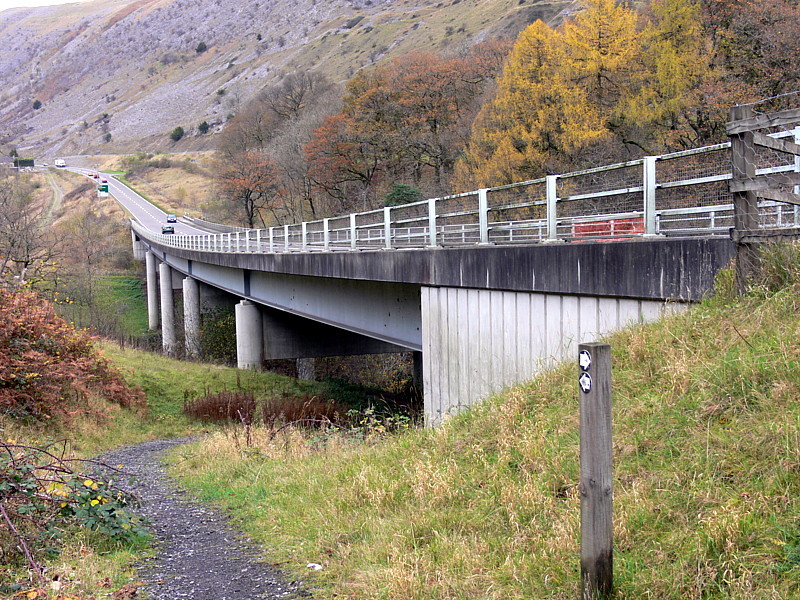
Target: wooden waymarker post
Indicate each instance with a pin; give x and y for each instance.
(745, 203)
(594, 381)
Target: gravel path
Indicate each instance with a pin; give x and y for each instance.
(200, 557)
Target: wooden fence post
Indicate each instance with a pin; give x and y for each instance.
(745, 203)
(597, 572)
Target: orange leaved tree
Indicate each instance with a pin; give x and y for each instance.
(46, 365)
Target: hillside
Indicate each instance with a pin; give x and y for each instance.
(705, 436)
(116, 76)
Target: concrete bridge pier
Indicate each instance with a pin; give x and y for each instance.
(417, 375)
(191, 315)
(152, 291)
(249, 336)
(305, 368)
(168, 336)
(138, 247)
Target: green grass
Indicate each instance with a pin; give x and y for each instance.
(167, 382)
(120, 303)
(87, 558)
(707, 478)
(128, 292)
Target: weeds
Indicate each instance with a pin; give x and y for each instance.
(42, 493)
(222, 407)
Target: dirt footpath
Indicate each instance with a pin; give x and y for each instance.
(200, 556)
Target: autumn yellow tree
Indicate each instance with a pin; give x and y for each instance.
(602, 45)
(540, 119)
(675, 63)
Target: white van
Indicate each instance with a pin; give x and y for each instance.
(60, 162)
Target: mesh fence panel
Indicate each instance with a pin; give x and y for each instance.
(714, 161)
(712, 193)
(369, 230)
(457, 220)
(518, 213)
(602, 179)
(295, 237)
(410, 225)
(339, 232)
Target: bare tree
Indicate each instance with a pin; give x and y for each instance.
(26, 247)
(262, 169)
(295, 92)
(250, 184)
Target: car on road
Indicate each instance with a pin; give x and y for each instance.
(172, 219)
(167, 229)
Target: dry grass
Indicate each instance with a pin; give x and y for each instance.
(707, 458)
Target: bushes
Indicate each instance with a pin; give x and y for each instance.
(46, 364)
(277, 413)
(221, 407)
(41, 493)
(241, 407)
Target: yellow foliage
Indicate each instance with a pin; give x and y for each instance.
(675, 62)
(602, 49)
(608, 73)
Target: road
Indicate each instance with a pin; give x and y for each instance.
(140, 208)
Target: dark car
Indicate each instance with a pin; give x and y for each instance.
(172, 219)
(167, 229)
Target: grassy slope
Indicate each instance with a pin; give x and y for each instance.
(90, 565)
(707, 455)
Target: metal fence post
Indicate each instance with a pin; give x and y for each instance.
(353, 231)
(552, 199)
(285, 238)
(649, 194)
(483, 215)
(432, 241)
(304, 234)
(387, 227)
(326, 233)
(597, 550)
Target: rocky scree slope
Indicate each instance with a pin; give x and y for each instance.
(120, 75)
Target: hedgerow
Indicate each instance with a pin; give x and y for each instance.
(47, 366)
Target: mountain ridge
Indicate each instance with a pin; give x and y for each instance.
(116, 76)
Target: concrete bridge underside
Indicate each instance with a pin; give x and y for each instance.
(483, 317)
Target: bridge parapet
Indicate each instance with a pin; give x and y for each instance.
(672, 195)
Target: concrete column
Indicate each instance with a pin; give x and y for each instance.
(416, 374)
(191, 315)
(249, 336)
(138, 247)
(305, 369)
(167, 308)
(152, 291)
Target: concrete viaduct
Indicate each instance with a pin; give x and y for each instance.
(477, 318)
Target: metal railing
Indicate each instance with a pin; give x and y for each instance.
(677, 194)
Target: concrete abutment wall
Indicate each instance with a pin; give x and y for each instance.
(477, 342)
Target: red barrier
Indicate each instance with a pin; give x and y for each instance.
(610, 227)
